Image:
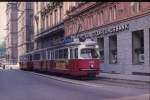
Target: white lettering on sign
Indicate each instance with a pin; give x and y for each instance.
(99, 32)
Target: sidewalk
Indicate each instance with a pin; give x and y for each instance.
(140, 78)
(9, 66)
(135, 81)
(99, 81)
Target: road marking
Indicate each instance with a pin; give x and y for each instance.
(70, 80)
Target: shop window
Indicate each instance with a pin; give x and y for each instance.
(138, 47)
(113, 49)
(101, 48)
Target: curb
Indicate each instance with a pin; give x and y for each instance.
(137, 78)
(77, 82)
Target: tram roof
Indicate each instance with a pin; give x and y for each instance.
(74, 43)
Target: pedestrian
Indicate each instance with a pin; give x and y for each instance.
(3, 66)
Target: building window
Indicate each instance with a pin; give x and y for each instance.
(36, 7)
(46, 21)
(138, 47)
(114, 12)
(138, 6)
(75, 27)
(135, 7)
(86, 23)
(61, 13)
(101, 48)
(42, 23)
(98, 18)
(110, 13)
(113, 49)
(55, 15)
(50, 19)
(102, 17)
(92, 20)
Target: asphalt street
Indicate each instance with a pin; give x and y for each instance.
(21, 85)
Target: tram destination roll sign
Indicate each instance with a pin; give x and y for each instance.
(99, 32)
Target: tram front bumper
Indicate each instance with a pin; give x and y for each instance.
(89, 71)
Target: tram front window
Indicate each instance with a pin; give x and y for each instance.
(89, 53)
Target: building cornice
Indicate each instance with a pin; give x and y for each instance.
(81, 9)
(49, 31)
(115, 22)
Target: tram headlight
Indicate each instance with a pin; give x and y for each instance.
(91, 66)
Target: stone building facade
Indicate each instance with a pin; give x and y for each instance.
(48, 23)
(11, 37)
(25, 27)
(122, 31)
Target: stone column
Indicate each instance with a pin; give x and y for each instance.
(146, 47)
(106, 50)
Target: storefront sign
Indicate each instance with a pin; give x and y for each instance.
(99, 32)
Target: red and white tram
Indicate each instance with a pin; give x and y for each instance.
(75, 58)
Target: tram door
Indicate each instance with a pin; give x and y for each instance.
(73, 58)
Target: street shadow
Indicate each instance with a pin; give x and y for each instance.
(87, 78)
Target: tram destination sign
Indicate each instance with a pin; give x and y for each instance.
(99, 32)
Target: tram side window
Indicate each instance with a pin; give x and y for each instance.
(36, 56)
(52, 55)
(71, 53)
(65, 53)
(56, 54)
(76, 52)
(61, 53)
(43, 55)
(24, 58)
(48, 54)
(30, 58)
